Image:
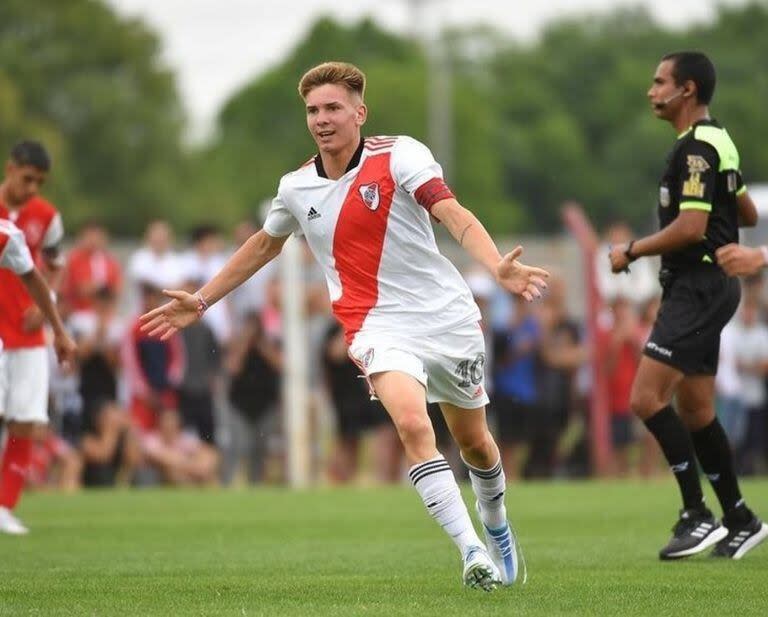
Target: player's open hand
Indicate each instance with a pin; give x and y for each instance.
(166, 320)
(526, 281)
(65, 349)
(739, 260)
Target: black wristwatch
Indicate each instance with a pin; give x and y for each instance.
(628, 253)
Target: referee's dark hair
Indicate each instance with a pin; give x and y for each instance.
(696, 67)
(31, 153)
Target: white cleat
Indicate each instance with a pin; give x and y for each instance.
(479, 571)
(505, 552)
(10, 524)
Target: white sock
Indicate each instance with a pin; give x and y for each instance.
(489, 486)
(434, 481)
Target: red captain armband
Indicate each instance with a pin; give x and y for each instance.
(429, 193)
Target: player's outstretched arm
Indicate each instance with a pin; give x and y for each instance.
(470, 233)
(41, 293)
(185, 308)
(739, 260)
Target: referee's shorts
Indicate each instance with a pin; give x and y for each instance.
(695, 306)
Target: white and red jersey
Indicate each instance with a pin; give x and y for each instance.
(41, 224)
(370, 230)
(14, 253)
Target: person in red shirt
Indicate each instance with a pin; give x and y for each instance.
(90, 268)
(24, 369)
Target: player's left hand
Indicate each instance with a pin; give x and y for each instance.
(65, 349)
(526, 281)
(619, 260)
(739, 260)
(33, 319)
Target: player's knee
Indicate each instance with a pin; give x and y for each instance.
(475, 444)
(644, 403)
(414, 427)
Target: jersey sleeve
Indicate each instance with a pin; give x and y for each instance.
(16, 256)
(280, 221)
(416, 171)
(54, 234)
(698, 168)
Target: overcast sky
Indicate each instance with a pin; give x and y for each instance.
(215, 46)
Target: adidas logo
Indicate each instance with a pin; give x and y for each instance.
(313, 214)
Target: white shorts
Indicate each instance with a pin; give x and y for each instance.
(450, 365)
(24, 384)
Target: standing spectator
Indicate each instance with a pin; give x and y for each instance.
(202, 262)
(153, 368)
(515, 388)
(90, 267)
(201, 377)
(254, 362)
(356, 413)
(751, 343)
(155, 262)
(559, 355)
(731, 411)
(622, 350)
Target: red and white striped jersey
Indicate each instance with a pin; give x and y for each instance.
(14, 253)
(374, 241)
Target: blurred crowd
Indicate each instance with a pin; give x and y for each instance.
(204, 407)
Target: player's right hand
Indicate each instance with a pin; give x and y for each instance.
(166, 320)
(65, 349)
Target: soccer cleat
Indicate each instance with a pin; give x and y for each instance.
(505, 551)
(10, 524)
(479, 571)
(695, 531)
(741, 539)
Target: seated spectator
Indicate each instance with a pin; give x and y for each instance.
(110, 447)
(153, 367)
(180, 457)
(90, 267)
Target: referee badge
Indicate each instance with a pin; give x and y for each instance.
(664, 197)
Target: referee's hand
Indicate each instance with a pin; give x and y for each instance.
(618, 256)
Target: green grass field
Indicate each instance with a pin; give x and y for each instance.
(591, 550)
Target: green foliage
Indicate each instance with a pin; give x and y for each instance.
(89, 85)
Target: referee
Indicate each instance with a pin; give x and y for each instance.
(702, 202)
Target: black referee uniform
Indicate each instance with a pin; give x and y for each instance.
(698, 297)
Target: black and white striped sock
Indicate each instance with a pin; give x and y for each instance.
(434, 481)
(489, 486)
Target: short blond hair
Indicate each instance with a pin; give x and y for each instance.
(342, 73)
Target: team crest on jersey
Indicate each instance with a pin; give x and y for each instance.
(697, 164)
(370, 195)
(368, 358)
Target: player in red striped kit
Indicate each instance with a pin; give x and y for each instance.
(364, 205)
(24, 368)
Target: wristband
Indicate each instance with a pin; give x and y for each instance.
(628, 253)
(202, 305)
(764, 251)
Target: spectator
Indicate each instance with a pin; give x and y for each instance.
(110, 447)
(90, 267)
(355, 413)
(153, 368)
(516, 391)
(639, 284)
(254, 363)
(179, 456)
(156, 262)
(731, 411)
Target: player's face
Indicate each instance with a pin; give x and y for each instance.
(334, 117)
(23, 182)
(664, 94)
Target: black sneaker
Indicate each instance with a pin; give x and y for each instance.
(695, 531)
(741, 539)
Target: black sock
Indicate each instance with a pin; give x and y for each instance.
(676, 445)
(714, 454)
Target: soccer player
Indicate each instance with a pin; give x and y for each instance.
(702, 201)
(738, 260)
(364, 205)
(24, 371)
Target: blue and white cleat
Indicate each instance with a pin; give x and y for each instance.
(505, 551)
(479, 570)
